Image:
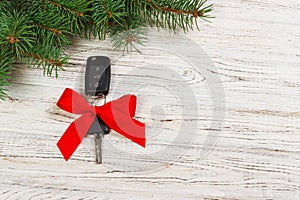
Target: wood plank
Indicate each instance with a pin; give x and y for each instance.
(254, 48)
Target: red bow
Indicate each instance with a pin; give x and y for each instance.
(117, 114)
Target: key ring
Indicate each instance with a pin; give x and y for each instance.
(93, 99)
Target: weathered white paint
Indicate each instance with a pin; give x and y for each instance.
(255, 46)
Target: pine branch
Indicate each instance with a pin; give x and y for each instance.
(49, 58)
(128, 35)
(16, 32)
(74, 11)
(170, 14)
(105, 15)
(52, 28)
(6, 62)
(64, 7)
(184, 8)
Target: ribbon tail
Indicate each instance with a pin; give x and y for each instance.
(124, 124)
(139, 131)
(74, 134)
(129, 128)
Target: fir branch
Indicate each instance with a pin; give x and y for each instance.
(126, 40)
(171, 14)
(16, 31)
(105, 14)
(49, 58)
(53, 62)
(6, 62)
(78, 13)
(128, 35)
(53, 30)
(197, 12)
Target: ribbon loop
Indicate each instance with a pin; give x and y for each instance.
(117, 114)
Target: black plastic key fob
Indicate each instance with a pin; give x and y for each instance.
(99, 126)
(97, 76)
(97, 81)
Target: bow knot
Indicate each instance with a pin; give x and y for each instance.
(117, 114)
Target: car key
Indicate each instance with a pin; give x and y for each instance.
(98, 129)
(97, 81)
(97, 76)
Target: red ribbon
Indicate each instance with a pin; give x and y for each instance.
(117, 114)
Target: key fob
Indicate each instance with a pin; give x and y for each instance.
(97, 76)
(99, 126)
(97, 81)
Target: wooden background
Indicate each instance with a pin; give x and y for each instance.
(255, 47)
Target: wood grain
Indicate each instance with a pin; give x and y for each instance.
(255, 47)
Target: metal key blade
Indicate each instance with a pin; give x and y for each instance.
(98, 147)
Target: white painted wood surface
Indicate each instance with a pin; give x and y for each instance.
(255, 46)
